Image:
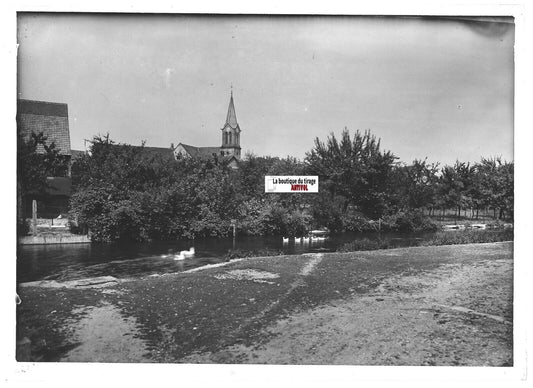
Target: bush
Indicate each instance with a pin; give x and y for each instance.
(356, 223)
(469, 237)
(23, 228)
(408, 221)
(365, 244)
(239, 253)
(440, 238)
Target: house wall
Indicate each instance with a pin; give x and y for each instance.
(181, 151)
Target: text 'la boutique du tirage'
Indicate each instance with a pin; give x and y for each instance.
(291, 184)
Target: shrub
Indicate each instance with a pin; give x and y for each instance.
(365, 244)
(408, 221)
(469, 237)
(239, 253)
(357, 223)
(23, 228)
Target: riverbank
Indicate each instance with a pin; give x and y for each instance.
(446, 305)
(446, 237)
(54, 238)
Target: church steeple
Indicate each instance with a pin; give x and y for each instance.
(231, 117)
(231, 132)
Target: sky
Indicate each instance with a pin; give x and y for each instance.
(435, 88)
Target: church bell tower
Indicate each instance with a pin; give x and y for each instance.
(231, 133)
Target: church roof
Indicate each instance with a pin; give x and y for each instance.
(231, 118)
(201, 152)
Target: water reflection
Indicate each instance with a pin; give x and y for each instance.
(74, 261)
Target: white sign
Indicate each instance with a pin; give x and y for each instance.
(291, 184)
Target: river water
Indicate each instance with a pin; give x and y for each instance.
(76, 261)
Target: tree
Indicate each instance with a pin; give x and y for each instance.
(506, 187)
(456, 186)
(415, 185)
(125, 193)
(356, 170)
(252, 171)
(494, 186)
(37, 159)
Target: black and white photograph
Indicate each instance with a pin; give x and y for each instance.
(266, 189)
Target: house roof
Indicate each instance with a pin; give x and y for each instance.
(231, 117)
(43, 108)
(50, 118)
(200, 152)
(165, 153)
(229, 158)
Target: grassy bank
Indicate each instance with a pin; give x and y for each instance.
(469, 237)
(440, 238)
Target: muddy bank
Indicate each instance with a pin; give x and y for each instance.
(448, 305)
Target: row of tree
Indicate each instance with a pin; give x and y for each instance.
(488, 184)
(122, 192)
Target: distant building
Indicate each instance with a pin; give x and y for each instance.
(51, 119)
(229, 151)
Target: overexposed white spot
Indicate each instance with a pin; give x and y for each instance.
(248, 274)
(168, 76)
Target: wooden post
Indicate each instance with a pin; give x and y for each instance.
(233, 224)
(34, 217)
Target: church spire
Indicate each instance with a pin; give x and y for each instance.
(231, 118)
(231, 132)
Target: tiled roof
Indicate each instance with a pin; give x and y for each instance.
(165, 153)
(42, 108)
(201, 152)
(47, 117)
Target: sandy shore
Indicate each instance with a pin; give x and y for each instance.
(448, 305)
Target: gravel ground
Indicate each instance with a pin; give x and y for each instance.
(446, 305)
